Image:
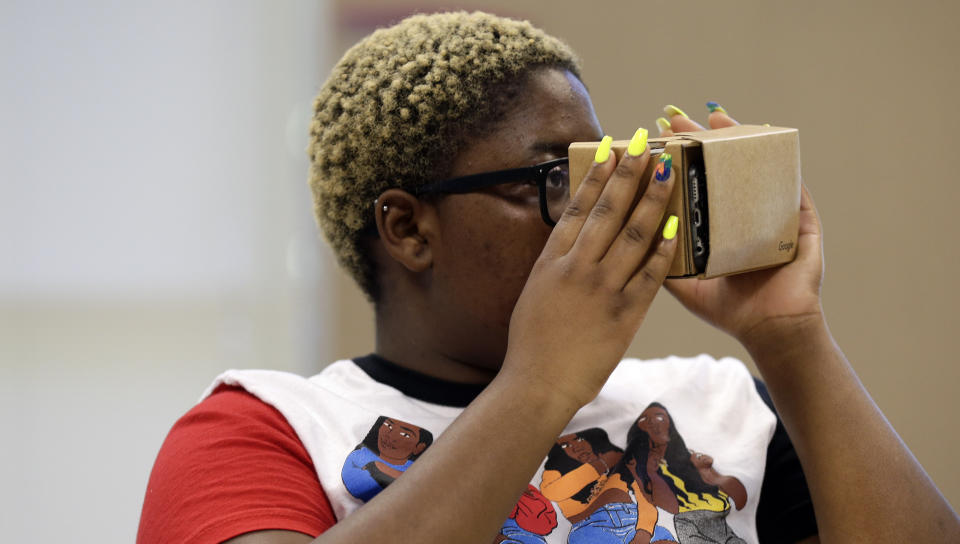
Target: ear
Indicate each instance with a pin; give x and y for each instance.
(406, 225)
(418, 449)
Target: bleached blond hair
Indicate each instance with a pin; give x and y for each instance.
(398, 106)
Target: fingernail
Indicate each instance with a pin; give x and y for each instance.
(766, 124)
(603, 152)
(713, 106)
(638, 143)
(663, 167)
(663, 124)
(672, 110)
(670, 229)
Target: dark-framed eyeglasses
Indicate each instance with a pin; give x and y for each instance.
(552, 179)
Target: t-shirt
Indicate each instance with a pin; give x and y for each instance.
(317, 448)
(231, 465)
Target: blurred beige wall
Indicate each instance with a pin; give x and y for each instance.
(873, 88)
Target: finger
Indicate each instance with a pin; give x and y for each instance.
(686, 290)
(682, 288)
(808, 241)
(605, 220)
(719, 118)
(568, 227)
(645, 283)
(640, 231)
(809, 218)
(679, 121)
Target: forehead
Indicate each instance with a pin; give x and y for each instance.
(400, 425)
(552, 110)
(654, 410)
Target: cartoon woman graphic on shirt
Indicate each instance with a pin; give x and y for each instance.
(681, 481)
(388, 450)
(584, 476)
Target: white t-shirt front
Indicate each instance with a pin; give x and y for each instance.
(697, 425)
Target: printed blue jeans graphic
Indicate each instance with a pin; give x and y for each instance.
(518, 535)
(614, 523)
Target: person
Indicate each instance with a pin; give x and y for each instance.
(681, 481)
(388, 450)
(582, 474)
(503, 308)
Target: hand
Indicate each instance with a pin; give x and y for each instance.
(701, 461)
(612, 457)
(752, 305)
(591, 287)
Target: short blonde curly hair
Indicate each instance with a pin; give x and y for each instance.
(398, 106)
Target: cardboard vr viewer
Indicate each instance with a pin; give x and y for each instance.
(736, 193)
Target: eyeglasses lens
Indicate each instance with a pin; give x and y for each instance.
(558, 190)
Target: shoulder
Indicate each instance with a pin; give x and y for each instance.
(230, 465)
(262, 383)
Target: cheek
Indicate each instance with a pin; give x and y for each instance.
(487, 261)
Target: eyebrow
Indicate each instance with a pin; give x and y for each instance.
(557, 148)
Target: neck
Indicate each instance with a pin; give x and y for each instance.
(657, 451)
(394, 460)
(405, 338)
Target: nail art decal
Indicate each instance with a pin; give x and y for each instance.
(663, 167)
(713, 106)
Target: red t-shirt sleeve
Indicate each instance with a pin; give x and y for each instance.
(230, 466)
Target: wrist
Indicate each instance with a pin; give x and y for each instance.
(785, 338)
(539, 393)
(550, 384)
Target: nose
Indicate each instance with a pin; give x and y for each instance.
(391, 440)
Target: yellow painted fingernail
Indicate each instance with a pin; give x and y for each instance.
(603, 152)
(670, 229)
(672, 110)
(638, 143)
(663, 124)
(766, 124)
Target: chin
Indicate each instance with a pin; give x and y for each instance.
(492, 358)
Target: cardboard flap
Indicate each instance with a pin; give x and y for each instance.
(743, 167)
(733, 133)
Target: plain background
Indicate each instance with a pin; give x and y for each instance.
(155, 222)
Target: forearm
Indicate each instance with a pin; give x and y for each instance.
(728, 484)
(865, 484)
(464, 486)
